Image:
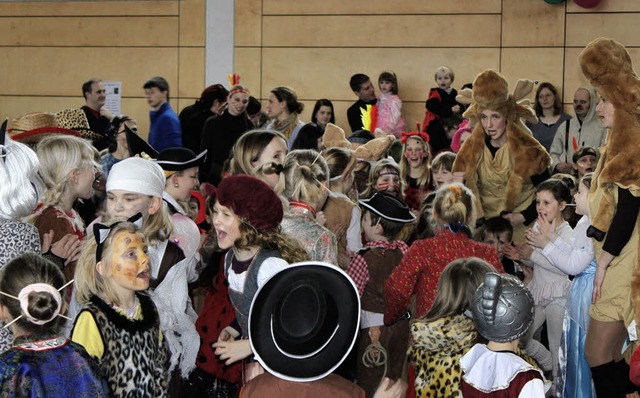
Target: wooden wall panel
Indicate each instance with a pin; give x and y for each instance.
(527, 23)
(541, 64)
(247, 63)
(582, 28)
(248, 23)
(61, 71)
(325, 73)
(193, 23)
(191, 72)
(381, 31)
(380, 7)
(86, 8)
(89, 31)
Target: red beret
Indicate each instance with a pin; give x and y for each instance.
(251, 199)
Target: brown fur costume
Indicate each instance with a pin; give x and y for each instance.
(607, 65)
(529, 158)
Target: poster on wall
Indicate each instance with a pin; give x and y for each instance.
(113, 102)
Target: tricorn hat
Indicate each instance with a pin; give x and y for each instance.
(389, 207)
(137, 145)
(304, 321)
(179, 158)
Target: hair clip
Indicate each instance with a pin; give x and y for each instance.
(417, 134)
(316, 159)
(102, 231)
(456, 189)
(23, 298)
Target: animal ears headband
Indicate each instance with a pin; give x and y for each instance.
(23, 298)
(101, 232)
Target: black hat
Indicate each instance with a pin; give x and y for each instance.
(389, 207)
(304, 321)
(137, 145)
(584, 151)
(178, 158)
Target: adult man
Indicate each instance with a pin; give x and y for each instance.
(366, 93)
(98, 117)
(165, 131)
(584, 129)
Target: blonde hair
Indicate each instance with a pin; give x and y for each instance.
(456, 286)
(88, 281)
(375, 172)
(444, 69)
(454, 203)
(305, 172)
(425, 175)
(340, 161)
(248, 149)
(60, 155)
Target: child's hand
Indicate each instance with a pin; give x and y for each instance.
(390, 389)
(232, 350)
(459, 176)
(321, 218)
(68, 247)
(511, 252)
(455, 109)
(524, 250)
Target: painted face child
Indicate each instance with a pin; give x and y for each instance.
(388, 181)
(128, 264)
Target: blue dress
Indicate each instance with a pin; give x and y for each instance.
(578, 374)
(49, 366)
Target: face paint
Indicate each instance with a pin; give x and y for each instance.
(129, 264)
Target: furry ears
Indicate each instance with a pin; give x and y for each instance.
(334, 137)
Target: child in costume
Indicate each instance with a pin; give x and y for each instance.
(260, 153)
(549, 285)
(136, 185)
(445, 333)
(383, 219)
(574, 257)
(246, 218)
(68, 167)
(440, 105)
(119, 324)
(502, 309)
(441, 167)
(41, 361)
(415, 167)
(418, 272)
(384, 176)
(306, 176)
(390, 118)
(585, 161)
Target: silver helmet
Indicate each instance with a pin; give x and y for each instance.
(502, 308)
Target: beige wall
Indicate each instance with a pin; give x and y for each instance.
(50, 48)
(316, 45)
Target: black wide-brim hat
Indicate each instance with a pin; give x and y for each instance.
(304, 321)
(389, 207)
(178, 159)
(137, 145)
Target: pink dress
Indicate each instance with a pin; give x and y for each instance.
(390, 118)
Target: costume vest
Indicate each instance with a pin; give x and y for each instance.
(493, 175)
(241, 301)
(380, 267)
(134, 361)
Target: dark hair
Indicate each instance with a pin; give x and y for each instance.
(586, 180)
(389, 77)
(358, 80)
(390, 229)
(86, 86)
(254, 106)
(557, 105)
(289, 96)
(443, 160)
(212, 93)
(158, 82)
(558, 189)
(112, 131)
(307, 137)
(495, 225)
(25, 270)
(361, 136)
(316, 108)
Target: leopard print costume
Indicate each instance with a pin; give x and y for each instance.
(435, 351)
(137, 368)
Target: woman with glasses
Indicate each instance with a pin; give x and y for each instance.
(548, 107)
